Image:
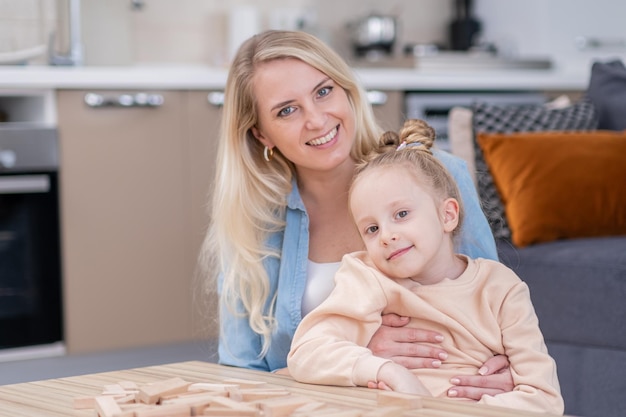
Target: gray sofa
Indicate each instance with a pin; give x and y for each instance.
(578, 285)
(578, 288)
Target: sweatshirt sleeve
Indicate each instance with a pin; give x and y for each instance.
(536, 386)
(329, 346)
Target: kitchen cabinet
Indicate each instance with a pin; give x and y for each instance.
(133, 183)
(388, 108)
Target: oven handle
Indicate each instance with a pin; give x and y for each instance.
(22, 184)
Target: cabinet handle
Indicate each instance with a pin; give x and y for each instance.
(124, 100)
(216, 98)
(22, 184)
(376, 97)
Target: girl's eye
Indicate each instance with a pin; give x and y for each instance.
(402, 213)
(371, 229)
(324, 91)
(286, 111)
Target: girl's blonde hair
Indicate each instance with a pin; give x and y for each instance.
(411, 149)
(249, 194)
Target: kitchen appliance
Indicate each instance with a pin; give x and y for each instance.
(373, 36)
(434, 107)
(30, 255)
(464, 28)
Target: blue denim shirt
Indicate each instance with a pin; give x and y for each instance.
(240, 346)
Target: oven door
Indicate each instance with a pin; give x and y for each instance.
(30, 270)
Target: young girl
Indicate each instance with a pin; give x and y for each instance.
(407, 209)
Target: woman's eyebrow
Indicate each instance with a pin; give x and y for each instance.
(315, 88)
(281, 104)
(318, 85)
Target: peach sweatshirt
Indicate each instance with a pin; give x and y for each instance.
(485, 311)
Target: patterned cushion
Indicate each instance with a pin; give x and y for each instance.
(490, 118)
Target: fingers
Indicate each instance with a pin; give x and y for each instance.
(416, 363)
(393, 320)
(494, 365)
(406, 347)
(385, 337)
(471, 392)
(475, 386)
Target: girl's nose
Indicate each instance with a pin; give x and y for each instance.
(387, 236)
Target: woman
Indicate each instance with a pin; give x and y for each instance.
(295, 123)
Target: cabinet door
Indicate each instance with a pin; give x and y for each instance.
(204, 112)
(388, 108)
(125, 234)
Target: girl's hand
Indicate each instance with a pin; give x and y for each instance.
(394, 377)
(404, 345)
(495, 378)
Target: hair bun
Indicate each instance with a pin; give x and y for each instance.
(417, 132)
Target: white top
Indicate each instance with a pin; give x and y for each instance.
(320, 281)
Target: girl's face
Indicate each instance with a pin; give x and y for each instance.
(303, 113)
(407, 232)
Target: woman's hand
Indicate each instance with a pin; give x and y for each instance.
(404, 345)
(495, 378)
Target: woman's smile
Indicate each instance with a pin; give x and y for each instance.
(324, 139)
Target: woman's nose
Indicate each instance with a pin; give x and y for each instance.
(315, 118)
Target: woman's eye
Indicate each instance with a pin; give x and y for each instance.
(324, 91)
(286, 111)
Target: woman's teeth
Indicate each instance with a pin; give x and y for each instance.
(324, 139)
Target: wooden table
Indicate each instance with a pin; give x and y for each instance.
(55, 397)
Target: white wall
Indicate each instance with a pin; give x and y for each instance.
(196, 31)
(550, 27)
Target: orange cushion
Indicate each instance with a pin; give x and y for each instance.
(559, 185)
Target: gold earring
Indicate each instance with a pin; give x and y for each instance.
(268, 154)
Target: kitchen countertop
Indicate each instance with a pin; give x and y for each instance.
(573, 77)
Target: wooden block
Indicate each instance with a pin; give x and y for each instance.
(388, 411)
(126, 399)
(399, 399)
(151, 393)
(228, 403)
(82, 403)
(170, 410)
(308, 408)
(110, 389)
(223, 406)
(336, 412)
(228, 412)
(245, 383)
(206, 386)
(192, 394)
(106, 406)
(195, 398)
(254, 394)
(128, 385)
(282, 406)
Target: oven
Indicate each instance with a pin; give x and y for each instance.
(31, 320)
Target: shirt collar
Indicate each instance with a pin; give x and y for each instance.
(294, 200)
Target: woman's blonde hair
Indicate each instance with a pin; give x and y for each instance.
(249, 194)
(411, 149)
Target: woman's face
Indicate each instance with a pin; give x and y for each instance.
(304, 114)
